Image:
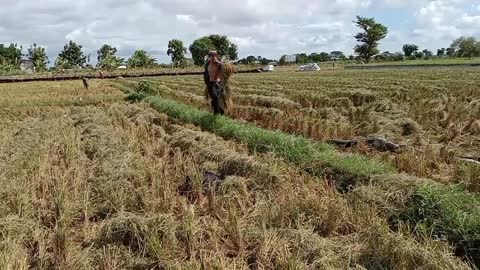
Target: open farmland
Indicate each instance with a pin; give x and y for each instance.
(95, 182)
(434, 115)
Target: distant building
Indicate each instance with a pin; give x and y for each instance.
(291, 58)
(27, 66)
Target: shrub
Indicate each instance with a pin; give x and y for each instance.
(142, 90)
(447, 213)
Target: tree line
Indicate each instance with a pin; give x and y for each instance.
(368, 40)
(72, 56)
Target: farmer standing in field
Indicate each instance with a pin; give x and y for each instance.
(213, 80)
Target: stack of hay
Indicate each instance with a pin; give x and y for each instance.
(225, 99)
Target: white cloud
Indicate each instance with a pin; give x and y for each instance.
(441, 21)
(185, 18)
(269, 27)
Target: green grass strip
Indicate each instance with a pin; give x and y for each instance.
(296, 149)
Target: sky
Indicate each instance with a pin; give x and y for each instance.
(269, 28)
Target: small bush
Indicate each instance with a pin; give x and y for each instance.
(447, 213)
(142, 90)
(469, 175)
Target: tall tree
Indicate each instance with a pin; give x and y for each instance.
(10, 55)
(441, 52)
(369, 38)
(266, 61)
(324, 57)
(450, 51)
(110, 62)
(251, 59)
(427, 53)
(38, 56)
(302, 58)
(419, 55)
(409, 49)
(232, 52)
(337, 55)
(200, 47)
(141, 58)
(107, 57)
(73, 55)
(466, 47)
(176, 51)
(61, 63)
(313, 57)
(224, 46)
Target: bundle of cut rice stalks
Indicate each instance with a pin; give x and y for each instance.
(225, 99)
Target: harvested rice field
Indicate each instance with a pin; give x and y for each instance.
(432, 115)
(138, 174)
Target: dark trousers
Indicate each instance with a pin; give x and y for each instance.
(214, 90)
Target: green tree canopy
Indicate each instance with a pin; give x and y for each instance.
(10, 55)
(427, 53)
(419, 55)
(200, 47)
(466, 47)
(251, 59)
(232, 52)
(450, 51)
(107, 58)
(369, 38)
(38, 56)
(337, 55)
(62, 63)
(441, 52)
(141, 58)
(73, 55)
(176, 51)
(324, 57)
(302, 58)
(409, 49)
(319, 57)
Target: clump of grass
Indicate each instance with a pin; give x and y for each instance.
(383, 250)
(127, 230)
(446, 213)
(469, 175)
(142, 89)
(428, 209)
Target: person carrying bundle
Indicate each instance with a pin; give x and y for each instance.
(217, 89)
